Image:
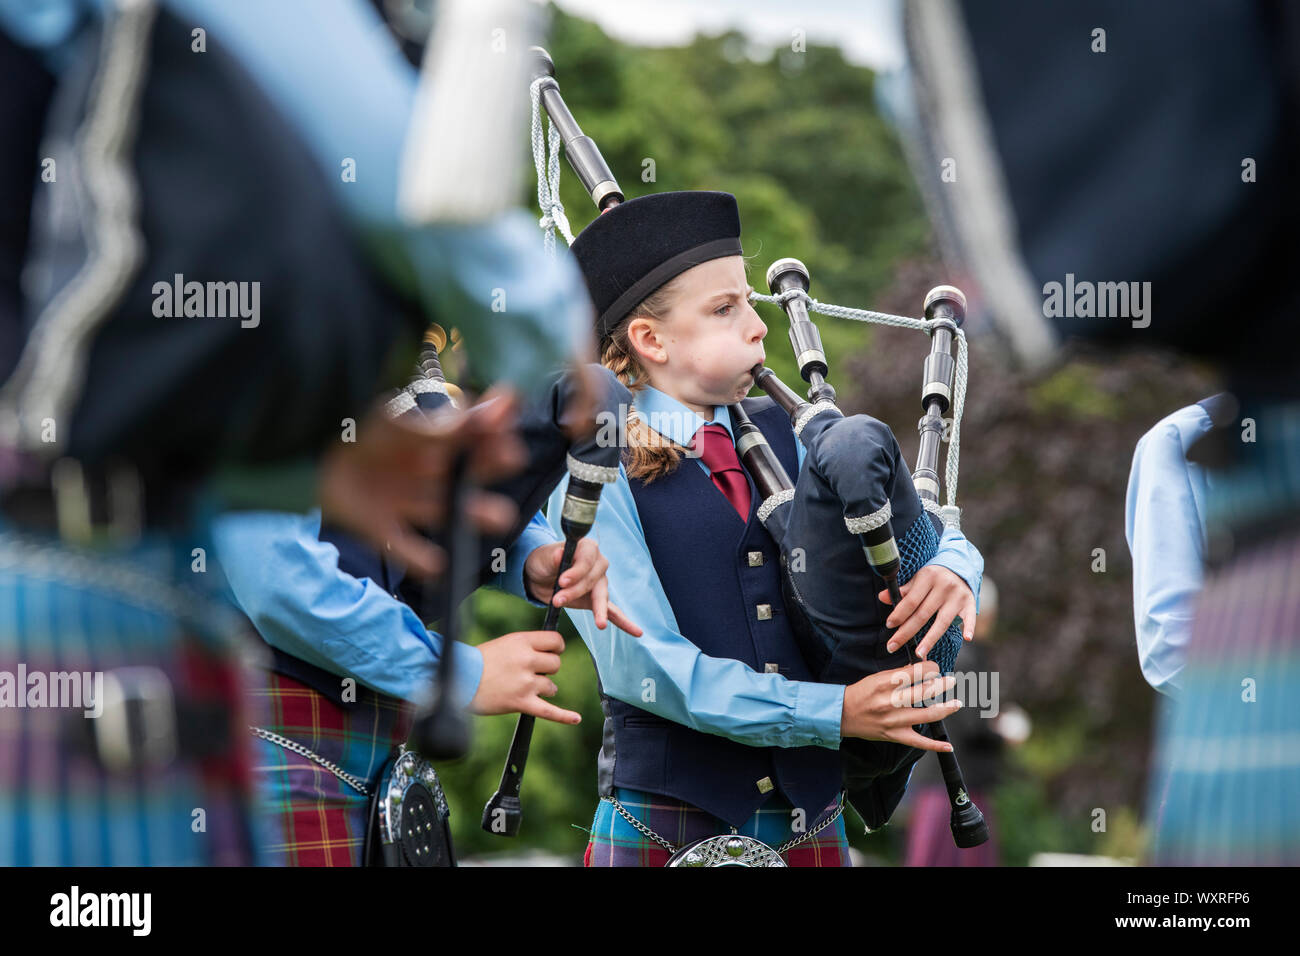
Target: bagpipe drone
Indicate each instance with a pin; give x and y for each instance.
(852, 491)
(852, 494)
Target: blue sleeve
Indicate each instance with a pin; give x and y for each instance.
(511, 579)
(289, 584)
(1165, 532)
(664, 673)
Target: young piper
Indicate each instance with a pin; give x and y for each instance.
(713, 725)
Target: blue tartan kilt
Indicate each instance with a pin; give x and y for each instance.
(1227, 787)
(97, 610)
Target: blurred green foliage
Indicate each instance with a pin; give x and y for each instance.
(1073, 393)
(820, 176)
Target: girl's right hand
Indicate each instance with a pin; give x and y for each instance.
(880, 707)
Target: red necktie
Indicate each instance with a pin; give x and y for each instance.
(714, 446)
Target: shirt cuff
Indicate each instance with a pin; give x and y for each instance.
(817, 713)
(511, 580)
(467, 668)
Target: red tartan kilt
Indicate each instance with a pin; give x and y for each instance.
(310, 816)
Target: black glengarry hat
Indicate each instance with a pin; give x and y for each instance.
(635, 247)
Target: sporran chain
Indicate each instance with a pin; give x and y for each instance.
(356, 783)
(787, 845)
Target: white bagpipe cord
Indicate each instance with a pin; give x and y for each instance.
(902, 322)
(546, 157)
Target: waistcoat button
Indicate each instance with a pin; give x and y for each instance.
(756, 559)
(764, 612)
(764, 785)
(770, 668)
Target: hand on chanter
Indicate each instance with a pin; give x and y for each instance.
(583, 585)
(514, 681)
(887, 705)
(933, 590)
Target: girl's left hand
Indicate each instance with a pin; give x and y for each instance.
(582, 586)
(933, 590)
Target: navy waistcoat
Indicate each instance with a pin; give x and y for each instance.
(722, 578)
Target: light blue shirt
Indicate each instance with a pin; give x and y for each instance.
(1164, 522)
(290, 585)
(710, 694)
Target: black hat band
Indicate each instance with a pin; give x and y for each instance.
(662, 273)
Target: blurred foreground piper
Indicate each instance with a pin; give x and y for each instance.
(1137, 193)
(202, 206)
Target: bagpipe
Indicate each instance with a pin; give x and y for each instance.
(461, 182)
(852, 491)
(591, 463)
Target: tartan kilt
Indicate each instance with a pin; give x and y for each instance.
(310, 816)
(615, 842)
(67, 609)
(1227, 787)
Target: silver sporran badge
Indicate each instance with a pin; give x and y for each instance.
(727, 850)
